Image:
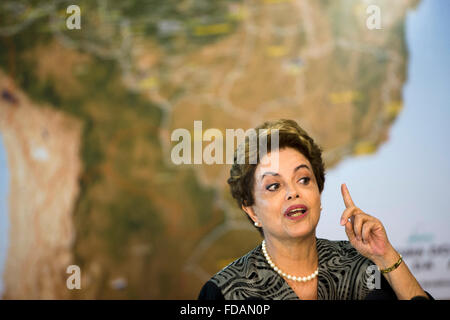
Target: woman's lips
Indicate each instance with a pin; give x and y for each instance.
(297, 216)
(296, 212)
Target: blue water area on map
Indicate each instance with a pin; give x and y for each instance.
(4, 181)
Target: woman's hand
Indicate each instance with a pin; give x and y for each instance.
(366, 233)
(368, 236)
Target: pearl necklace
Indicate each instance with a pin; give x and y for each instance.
(283, 274)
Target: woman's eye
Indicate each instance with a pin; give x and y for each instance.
(273, 186)
(306, 180)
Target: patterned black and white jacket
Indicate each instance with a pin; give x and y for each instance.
(343, 275)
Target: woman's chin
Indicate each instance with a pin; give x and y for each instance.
(300, 230)
(288, 229)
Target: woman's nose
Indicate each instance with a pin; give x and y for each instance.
(292, 194)
(290, 197)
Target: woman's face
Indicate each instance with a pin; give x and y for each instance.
(279, 186)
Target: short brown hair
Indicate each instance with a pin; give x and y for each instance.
(291, 135)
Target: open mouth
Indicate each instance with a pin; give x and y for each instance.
(296, 212)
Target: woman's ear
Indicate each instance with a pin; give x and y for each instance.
(250, 212)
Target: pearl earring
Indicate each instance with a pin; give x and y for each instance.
(256, 224)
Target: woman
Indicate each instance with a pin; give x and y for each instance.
(281, 196)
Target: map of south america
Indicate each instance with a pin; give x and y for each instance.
(86, 116)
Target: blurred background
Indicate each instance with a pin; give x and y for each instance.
(89, 100)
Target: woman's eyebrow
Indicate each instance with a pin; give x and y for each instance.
(276, 174)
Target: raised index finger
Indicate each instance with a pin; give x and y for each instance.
(346, 196)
